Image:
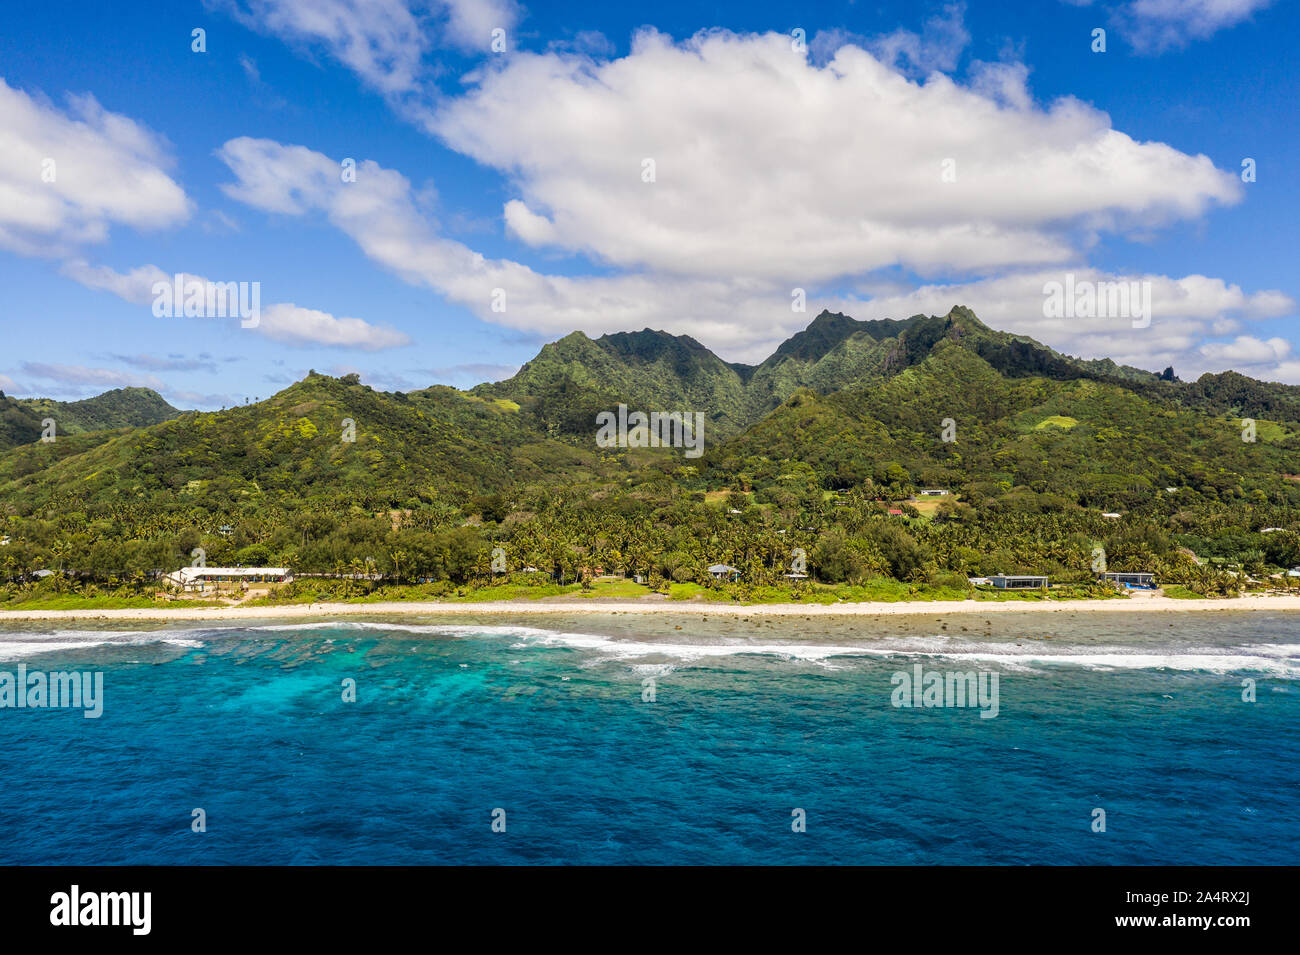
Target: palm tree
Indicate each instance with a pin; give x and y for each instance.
(398, 555)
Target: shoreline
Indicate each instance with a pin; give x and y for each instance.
(1275, 603)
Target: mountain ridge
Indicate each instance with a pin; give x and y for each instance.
(22, 419)
(1037, 451)
(572, 379)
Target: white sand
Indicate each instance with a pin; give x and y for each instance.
(1146, 603)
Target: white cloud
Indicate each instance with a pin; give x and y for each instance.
(285, 322)
(743, 318)
(524, 224)
(134, 286)
(470, 22)
(380, 214)
(379, 40)
(768, 165)
(7, 384)
(471, 373)
(78, 377)
(384, 42)
(1247, 350)
(295, 325)
(168, 362)
(107, 169)
(938, 46)
(1268, 359)
(180, 398)
(752, 199)
(1157, 25)
(1153, 26)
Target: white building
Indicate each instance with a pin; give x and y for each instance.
(1018, 582)
(1139, 580)
(197, 578)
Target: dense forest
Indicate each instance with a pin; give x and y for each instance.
(813, 463)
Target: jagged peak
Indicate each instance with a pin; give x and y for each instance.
(965, 315)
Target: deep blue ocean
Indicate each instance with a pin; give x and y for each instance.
(546, 719)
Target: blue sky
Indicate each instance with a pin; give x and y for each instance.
(517, 178)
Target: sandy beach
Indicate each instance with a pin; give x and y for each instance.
(1136, 604)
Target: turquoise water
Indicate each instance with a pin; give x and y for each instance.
(751, 719)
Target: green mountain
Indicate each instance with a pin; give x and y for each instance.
(322, 440)
(823, 446)
(1093, 444)
(21, 419)
(570, 381)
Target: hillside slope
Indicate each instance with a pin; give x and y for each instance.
(21, 419)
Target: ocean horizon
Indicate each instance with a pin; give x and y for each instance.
(691, 739)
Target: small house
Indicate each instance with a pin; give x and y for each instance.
(1018, 582)
(1136, 581)
(934, 492)
(197, 578)
(723, 572)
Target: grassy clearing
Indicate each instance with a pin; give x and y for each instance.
(1179, 592)
(616, 588)
(1056, 421)
(1271, 431)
